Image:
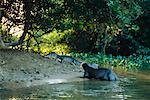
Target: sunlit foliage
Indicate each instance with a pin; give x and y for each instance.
(95, 25)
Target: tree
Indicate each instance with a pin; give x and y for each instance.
(100, 20)
(29, 14)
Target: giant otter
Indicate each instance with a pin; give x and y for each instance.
(63, 58)
(100, 73)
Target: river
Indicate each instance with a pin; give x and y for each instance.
(131, 86)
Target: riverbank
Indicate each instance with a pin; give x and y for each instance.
(21, 69)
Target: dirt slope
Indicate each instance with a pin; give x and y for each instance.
(22, 68)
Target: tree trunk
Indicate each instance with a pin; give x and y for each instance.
(27, 25)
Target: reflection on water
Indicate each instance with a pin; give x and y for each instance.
(130, 88)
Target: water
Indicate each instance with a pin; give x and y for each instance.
(130, 87)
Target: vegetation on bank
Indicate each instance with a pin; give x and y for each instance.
(133, 62)
(107, 32)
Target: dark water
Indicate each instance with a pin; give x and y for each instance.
(128, 88)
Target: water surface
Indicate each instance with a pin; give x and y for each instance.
(130, 87)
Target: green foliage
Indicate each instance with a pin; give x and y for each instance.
(93, 23)
(133, 62)
(58, 48)
(125, 10)
(53, 37)
(53, 42)
(82, 26)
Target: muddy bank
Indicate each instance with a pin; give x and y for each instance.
(20, 68)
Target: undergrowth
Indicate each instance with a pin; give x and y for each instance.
(132, 62)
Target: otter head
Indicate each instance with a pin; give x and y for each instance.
(84, 65)
(52, 54)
